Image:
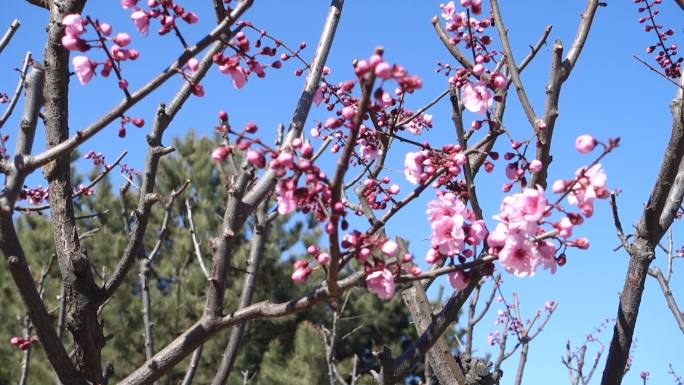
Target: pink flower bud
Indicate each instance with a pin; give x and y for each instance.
(221, 153)
(256, 158)
(383, 70)
(323, 258)
(585, 143)
(390, 248)
(499, 81)
(223, 116)
(559, 186)
(193, 64)
(251, 127)
(535, 165)
(105, 28)
(122, 39)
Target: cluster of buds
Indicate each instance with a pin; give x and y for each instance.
(511, 319)
(667, 55)
(23, 343)
(84, 190)
(471, 31)
(422, 166)
(34, 195)
(242, 52)
(386, 107)
(166, 11)
(519, 166)
(74, 28)
(138, 122)
(378, 193)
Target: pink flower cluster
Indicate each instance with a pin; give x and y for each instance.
(589, 184)
(516, 240)
(453, 227)
(75, 27)
(421, 166)
(166, 11)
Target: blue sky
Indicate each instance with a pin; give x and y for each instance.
(609, 94)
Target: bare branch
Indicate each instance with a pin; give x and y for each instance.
(90, 185)
(207, 326)
(669, 297)
(17, 91)
(7, 37)
(255, 254)
(195, 242)
(85, 134)
(192, 368)
(512, 67)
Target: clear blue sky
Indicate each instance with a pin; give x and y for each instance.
(609, 94)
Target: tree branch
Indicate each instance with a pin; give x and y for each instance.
(85, 134)
(667, 292)
(256, 252)
(7, 37)
(512, 67)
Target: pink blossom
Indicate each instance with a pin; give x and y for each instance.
(477, 231)
(591, 185)
(446, 217)
(323, 258)
(191, 18)
(383, 70)
(238, 74)
(369, 151)
(193, 64)
(84, 68)
(524, 209)
(413, 166)
(497, 238)
(318, 96)
(105, 28)
(459, 280)
(381, 283)
(585, 143)
(477, 97)
(547, 254)
(285, 198)
(141, 21)
(390, 248)
(518, 257)
(433, 256)
(564, 227)
(559, 186)
(448, 10)
(535, 165)
(301, 271)
(129, 3)
(73, 43)
(73, 24)
(122, 39)
(499, 81)
(221, 153)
